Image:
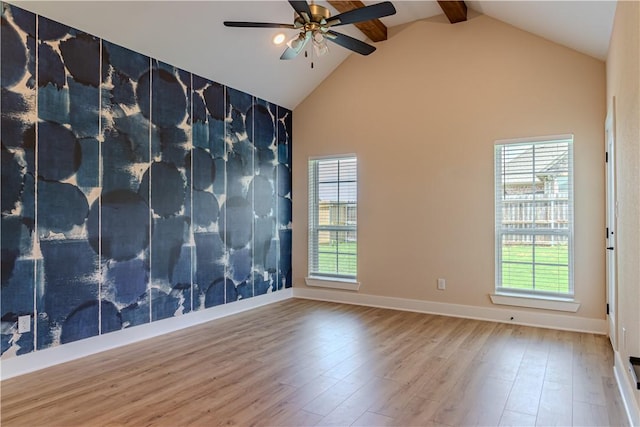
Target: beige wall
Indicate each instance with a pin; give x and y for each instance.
(422, 114)
(623, 82)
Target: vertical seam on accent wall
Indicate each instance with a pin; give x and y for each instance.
(253, 198)
(225, 154)
(100, 172)
(35, 241)
(276, 207)
(149, 190)
(191, 236)
(253, 201)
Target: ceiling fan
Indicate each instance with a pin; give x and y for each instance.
(314, 22)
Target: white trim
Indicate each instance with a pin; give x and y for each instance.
(333, 282)
(492, 314)
(534, 139)
(626, 390)
(333, 156)
(500, 181)
(315, 228)
(19, 365)
(546, 303)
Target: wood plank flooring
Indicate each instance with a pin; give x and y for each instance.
(308, 363)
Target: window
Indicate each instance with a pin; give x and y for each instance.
(534, 217)
(333, 221)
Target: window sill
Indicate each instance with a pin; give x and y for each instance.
(333, 282)
(545, 303)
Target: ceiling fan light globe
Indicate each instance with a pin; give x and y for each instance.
(320, 48)
(296, 42)
(321, 51)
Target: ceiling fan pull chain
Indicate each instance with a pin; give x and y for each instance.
(306, 55)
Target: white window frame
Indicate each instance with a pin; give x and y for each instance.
(316, 278)
(519, 297)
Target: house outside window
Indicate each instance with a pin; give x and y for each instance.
(333, 217)
(534, 217)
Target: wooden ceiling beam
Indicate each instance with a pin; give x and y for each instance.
(374, 29)
(456, 10)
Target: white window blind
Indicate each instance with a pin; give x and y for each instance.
(534, 216)
(333, 191)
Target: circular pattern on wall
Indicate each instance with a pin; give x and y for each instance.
(14, 56)
(49, 29)
(165, 85)
(75, 52)
(59, 150)
(205, 208)
(25, 20)
(204, 169)
(283, 174)
(214, 97)
(51, 68)
(220, 291)
(128, 278)
(237, 215)
(83, 321)
(61, 206)
(125, 225)
(167, 188)
(11, 181)
(262, 195)
(260, 127)
(284, 211)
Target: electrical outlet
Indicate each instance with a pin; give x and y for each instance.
(442, 284)
(24, 324)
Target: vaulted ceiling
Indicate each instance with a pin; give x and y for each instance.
(190, 34)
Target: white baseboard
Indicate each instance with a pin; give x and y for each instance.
(626, 390)
(19, 365)
(41, 359)
(506, 314)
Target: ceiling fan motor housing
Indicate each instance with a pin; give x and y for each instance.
(319, 15)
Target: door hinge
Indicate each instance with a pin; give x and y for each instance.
(607, 308)
(607, 236)
(606, 157)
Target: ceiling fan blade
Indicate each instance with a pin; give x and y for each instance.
(301, 8)
(256, 24)
(366, 13)
(350, 43)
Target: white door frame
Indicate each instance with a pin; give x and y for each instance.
(611, 216)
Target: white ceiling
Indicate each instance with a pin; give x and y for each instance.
(190, 35)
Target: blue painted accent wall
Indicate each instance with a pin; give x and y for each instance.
(132, 190)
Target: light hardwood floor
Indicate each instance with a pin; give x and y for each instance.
(302, 362)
